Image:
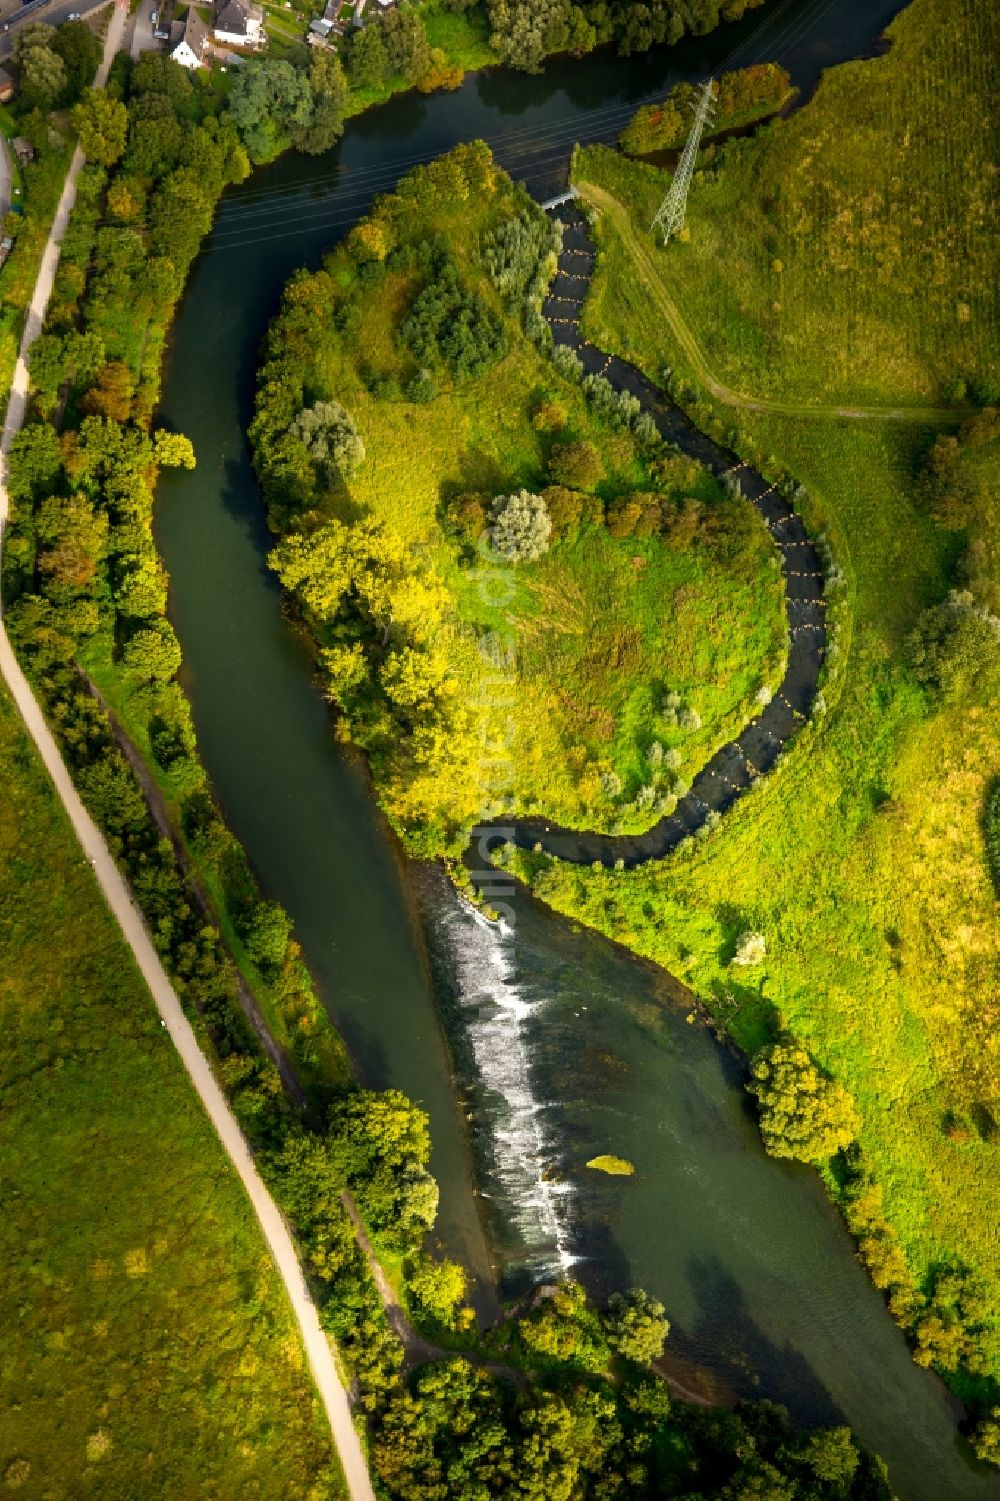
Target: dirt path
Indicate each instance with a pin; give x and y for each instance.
(649, 273)
(119, 899)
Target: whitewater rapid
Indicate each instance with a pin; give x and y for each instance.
(494, 1010)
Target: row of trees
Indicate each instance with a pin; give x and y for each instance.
(523, 32)
(740, 96)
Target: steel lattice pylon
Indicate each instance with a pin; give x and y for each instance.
(670, 215)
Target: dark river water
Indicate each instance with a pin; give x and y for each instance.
(563, 1046)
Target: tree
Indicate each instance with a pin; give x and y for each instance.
(102, 126)
(407, 50)
(751, 949)
(437, 1286)
(986, 1438)
(112, 392)
(954, 645)
(35, 461)
(328, 431)
(153, 652)
(521, 527)
(367, 60)
(173, 450)
(803, 1113)
(43, 75)
(576, 465)
(329, 104)
(270, 101)
(265, 930)
(636, 1326)
(440, 73)
(80, 50)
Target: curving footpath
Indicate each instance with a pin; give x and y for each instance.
(736, 766)
(119, 899)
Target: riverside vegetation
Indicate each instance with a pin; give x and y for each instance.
(851, 901)
(86, 598)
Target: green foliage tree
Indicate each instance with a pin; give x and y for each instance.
(266, 929)
(404, 37)
(269, 103)
(173, 450)
(101, 124)
(80, 50)
(577, 465)
(437, 1287)
(986, 1437)
(955, 645)
(451, 324)
(153, 653)
(636, 1326)
(803, 1114)
(520, 527)
(329, 91)
(42, 71)
(367, 59)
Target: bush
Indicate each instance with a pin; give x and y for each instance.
(514, 252)
(153, 652)
(991, 822)
(521, 527)
(803, 1114)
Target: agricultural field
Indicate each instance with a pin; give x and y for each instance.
(598, 636)
(862, 862)
(139, 1304)
(848, 253)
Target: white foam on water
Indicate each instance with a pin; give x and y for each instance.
(495, 1009)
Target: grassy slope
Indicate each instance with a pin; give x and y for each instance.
(862, 860)
(598, 622)
(147, 1346)
(873, 211)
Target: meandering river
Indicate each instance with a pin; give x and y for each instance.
(563, 1046)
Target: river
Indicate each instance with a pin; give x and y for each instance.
(564, 1046)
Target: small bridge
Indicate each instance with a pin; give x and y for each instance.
(562, 198)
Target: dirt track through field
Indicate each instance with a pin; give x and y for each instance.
(734, 768)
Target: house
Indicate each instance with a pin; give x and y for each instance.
(6, 86)
(164, 21)
(188, 40)
(359, 12)
(23, 150)
(239, 23)
(320, 26)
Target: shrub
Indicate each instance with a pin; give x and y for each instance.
(566, 510)
(514, 251)
(991, 821)
(521, 527)
(803, 1114)
(577, 465)
(466, 516)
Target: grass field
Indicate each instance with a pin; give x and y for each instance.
(862, 861)
(873, 212)
(601, 628)
(147, 1349)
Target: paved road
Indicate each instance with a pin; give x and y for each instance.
(143, 39)
(14, 15)
(650, 276)
(119, 899)
(5, 175)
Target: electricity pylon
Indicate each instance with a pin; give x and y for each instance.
(670, 215)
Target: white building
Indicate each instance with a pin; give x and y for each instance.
(239, 23)
(188, 40)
